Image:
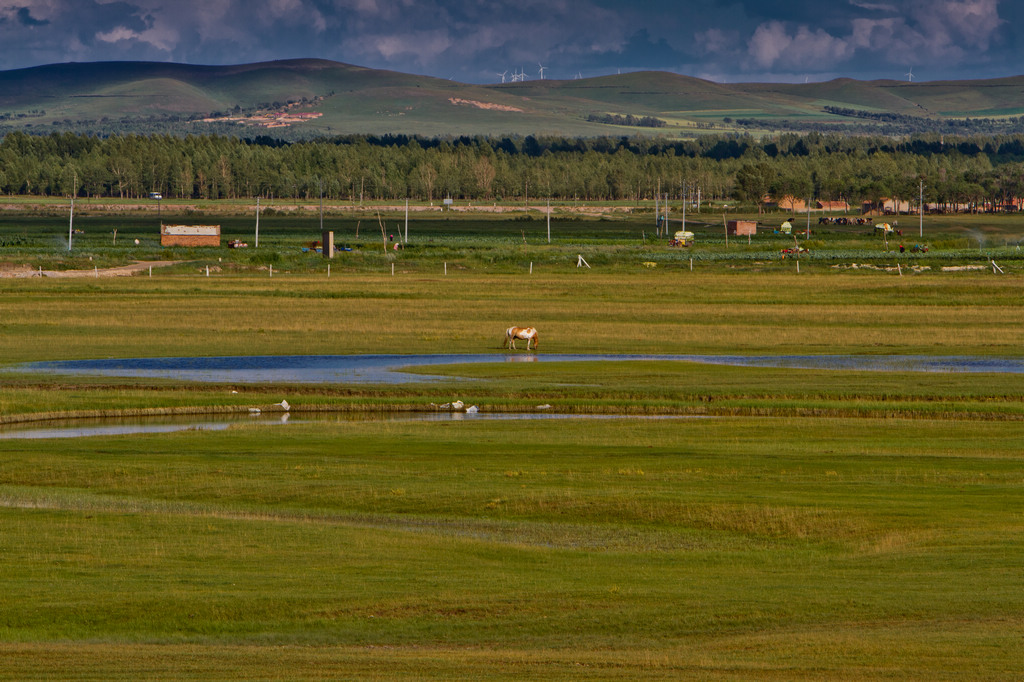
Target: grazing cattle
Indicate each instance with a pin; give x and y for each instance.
(527, 333)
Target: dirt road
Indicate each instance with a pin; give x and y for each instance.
(12, 270)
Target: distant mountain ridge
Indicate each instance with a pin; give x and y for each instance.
(335, 98)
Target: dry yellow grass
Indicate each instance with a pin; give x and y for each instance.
(645, 311)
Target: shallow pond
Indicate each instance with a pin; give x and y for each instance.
(388, 369)
(113, 426)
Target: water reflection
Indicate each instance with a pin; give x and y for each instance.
(389, 369)
(116, 426)
(83, 428)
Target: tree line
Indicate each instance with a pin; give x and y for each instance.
(970, 170)
(628, 120)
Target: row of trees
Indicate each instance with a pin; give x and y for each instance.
(628, 120)
(888, 124)
(955, 171)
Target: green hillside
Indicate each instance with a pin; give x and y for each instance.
(310, 97)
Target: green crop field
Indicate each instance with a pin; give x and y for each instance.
(682, 521)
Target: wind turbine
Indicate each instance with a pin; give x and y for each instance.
(910, 75)
(542, 67)
(503, 74)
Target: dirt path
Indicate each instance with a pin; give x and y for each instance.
(9, 270)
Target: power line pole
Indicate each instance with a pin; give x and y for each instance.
(320, 184)
(71, 219)
(684, 207)
(920, 208)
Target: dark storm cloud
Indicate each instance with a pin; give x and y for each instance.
(478, 40)
(25, 18)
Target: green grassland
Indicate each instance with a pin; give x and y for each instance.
(126, 96)
(718, 549)
(718, 523)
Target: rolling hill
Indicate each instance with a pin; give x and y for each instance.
(312, 97)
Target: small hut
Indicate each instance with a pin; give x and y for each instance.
(189, 235)
(740, 228)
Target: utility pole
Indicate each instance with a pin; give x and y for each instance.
(320, 184)
(920, 208)
(71, 219)
(657, 211)
(666, 214)
(257, 223)
(684, 207)
(808, 218)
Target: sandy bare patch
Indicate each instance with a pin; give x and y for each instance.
(490, 106)
(11, 270)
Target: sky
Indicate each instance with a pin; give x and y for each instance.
(476, 41)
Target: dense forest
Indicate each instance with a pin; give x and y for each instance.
(970, 170)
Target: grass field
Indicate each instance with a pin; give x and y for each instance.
(769, 524)
(832, 549)
(102, 98)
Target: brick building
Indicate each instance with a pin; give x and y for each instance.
(189, 235)
(742, 227)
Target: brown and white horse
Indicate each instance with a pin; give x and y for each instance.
(527, 333)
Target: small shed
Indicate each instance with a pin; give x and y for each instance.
(189, 235)
(741, 227)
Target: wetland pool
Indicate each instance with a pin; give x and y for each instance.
(390, 369)
(122, 426)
